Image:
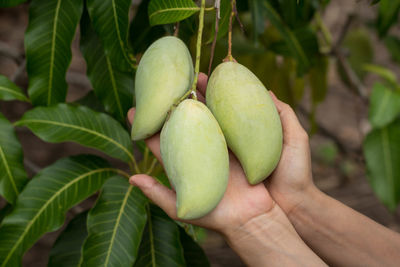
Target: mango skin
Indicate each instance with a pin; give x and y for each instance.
(164, 74)
(195, 158)
(248, 117)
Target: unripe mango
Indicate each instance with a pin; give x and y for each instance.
(248, 118)
(164, 74)
(195, 157)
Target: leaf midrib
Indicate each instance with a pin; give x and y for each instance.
(13, 92)
(387, 158)
(4, 159)
(52, 52)
(121, 43)
(121, 211)
(114, 86)
(50, 200)
(173, 9)
(82, 129)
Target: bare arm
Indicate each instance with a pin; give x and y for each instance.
(337, 233)
(342, 236)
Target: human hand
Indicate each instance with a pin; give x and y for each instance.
(292, 178)
(240, 203)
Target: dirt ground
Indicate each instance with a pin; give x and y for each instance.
(341, 116)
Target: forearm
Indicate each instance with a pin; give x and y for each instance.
(270, 240)
(342, 236)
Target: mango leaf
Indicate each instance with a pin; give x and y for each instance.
(12, 173)
(393, 45)
(223, 24)
(91, 101)
(258, 18)
(110, 19)
(160, 244)
(193, 253)
(170, 11)
(10, 3)
(141, 34)
(115, 225)
(290, 39)
(387, 15)
(65, 122)
(359, 46)
(66, 251)
(384, 106)
(9, 91)
(382, 154)
(112, 87)
(48, 39)
(41, 207)
(386, 74)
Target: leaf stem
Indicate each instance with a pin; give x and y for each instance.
(151, 168)
(229, 56)
(198, 49)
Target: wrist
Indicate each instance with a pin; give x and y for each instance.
(270, 239)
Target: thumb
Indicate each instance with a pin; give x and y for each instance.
(161, 195)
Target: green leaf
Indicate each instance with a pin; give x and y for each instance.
(10, 3)
(384, 106)
(41, 207)
(160, 244)
(359, 46)
(91, 101)
(9, 91)
(382, 153)
(387, 15)
(66, 251)
(223, 24)
(115, 225)
(318, 78)
(141, 34)
(48, 39)
(258, 18)
(393, 45)
(12, 173)
(170, 11)
(290, 39)
(65, 122)
(112, 87)
(386, 74)
(110, 19)
(193, 253)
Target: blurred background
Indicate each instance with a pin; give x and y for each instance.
(330, 105)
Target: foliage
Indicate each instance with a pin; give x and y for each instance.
(284, 42)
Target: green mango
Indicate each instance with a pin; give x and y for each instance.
(164, 74)
(248, 118)
(195, 158)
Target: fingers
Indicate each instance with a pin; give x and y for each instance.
(293, 132)
(162, 196)
(202, 83)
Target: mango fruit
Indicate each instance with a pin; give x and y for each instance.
(195, 158)
(164, 74)
(248, 118)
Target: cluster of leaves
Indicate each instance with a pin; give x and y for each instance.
(382, 144)
(123, 228)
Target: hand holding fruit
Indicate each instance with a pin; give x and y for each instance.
(240, 203)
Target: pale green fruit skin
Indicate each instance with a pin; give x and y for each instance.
(164, 74)
(248, 117)
(195, 158)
